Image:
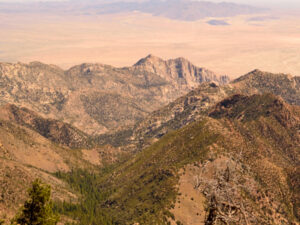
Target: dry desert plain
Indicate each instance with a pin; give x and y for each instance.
(269, 42)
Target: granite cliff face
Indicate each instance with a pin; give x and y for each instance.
(88, 95)
(179, 71)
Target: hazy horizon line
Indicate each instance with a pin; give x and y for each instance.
(274, 4)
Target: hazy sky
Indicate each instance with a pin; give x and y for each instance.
(267, 3)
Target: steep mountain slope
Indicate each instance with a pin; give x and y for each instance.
(54, 130)
(87, 95)
(24, 156)
(237, 166)
(34, 147)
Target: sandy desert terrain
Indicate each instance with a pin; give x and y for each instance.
(267, 42)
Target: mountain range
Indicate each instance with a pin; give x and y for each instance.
(88, 95)
(160, 142)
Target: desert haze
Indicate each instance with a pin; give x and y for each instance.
(269, 41)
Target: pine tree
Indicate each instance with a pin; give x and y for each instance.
(38, 209)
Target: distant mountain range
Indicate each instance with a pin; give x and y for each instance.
(88, 95)
(173, 9)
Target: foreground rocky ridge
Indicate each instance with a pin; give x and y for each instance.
(87, 95)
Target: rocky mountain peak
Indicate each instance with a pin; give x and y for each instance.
(149, 60)
(179, 71)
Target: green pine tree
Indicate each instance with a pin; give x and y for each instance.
(38, 209)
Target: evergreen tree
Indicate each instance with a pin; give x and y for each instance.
(38, 209)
